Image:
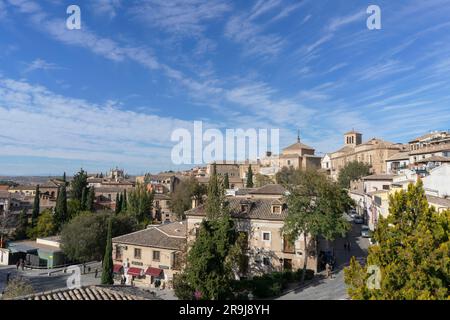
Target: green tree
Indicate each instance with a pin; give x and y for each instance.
(90, 200)
(84, 238)
(212, 257)
(249, 183)
(209, 265)
(107, 265)
(140, 203)
(36, 207)
(118, 206)
(216, 196)
(73, 208)
(83, 199)
(20, 232)
(17, 287)
(45, 226)
(315, 208)
(285, 176)
(124, 201)
(262, 180)
(411, 257)
(352, 171)
(61, 214)
(226, 181)
(185, 192)
(79, 182)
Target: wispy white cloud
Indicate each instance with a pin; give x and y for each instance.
(109, 8)
(40, 64)
(184, 17)
(384, 69)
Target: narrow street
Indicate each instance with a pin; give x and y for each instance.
(334, 288)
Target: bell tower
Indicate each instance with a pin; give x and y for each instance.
(352, 138)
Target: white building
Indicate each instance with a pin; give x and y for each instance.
(437, 183)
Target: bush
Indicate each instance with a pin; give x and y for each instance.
(308, 276)
(266, 286)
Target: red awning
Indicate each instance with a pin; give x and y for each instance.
(154, 272)
(117, 268)
(134, 271)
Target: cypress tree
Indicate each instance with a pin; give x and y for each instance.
(35, 213)
(226, 181)
(215, 196)
(90, 199)
(107, 267)
(124, 201)
(118, 204)
(83, 199)
(249, 177)
(61, 207)
(21, 231)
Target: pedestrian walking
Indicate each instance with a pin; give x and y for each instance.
(348, 246)
(345, 245)
(22, 264)
(96, 273)
(7, 277)
(328, 270)
(17, 264)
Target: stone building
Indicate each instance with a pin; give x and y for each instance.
(259, 214)
(373, 152)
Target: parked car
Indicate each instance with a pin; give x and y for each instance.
(365, 232)
(358, 220)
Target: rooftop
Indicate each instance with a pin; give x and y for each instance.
(379, 177)
(92, 293)
(167, 236)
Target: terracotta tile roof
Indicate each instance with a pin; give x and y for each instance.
(259, 209)
(399, 156)
(273, 189)
(434, 159)
(167, 236)
(379, 177)
(297, 146)
(92, 293)
(439, 201)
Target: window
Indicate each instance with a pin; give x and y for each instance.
(266, 261)
(289, 162)
(118, 253)
(276, 209)
(156, 255)
(266, 236)
(385, 187)
(244, 207)
(137, 253)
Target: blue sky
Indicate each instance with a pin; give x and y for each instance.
(112, 93)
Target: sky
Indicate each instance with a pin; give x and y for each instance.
(112, 93)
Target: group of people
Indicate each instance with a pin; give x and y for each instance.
(347, 245)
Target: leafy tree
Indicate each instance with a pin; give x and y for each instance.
(45, 226)
(249, 183)
(84, 237)
(211, 258)
(315, 207)
(79, 182)
(36, 204)
(61, 214)
(226, 181)
(124, 201)
(20, 232)
(107, 266)
(412, 253)
(73, 208)
(209, 270)
(90, 200)
(262, 180)
(181, 198)
(140, 203)
(352, 171)
(17, 287)
(285, 176)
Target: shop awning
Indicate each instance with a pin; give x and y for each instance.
(117, 268)
(134, 271)
(154, 272)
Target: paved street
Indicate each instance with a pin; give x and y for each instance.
(41, 281)
(333, 289)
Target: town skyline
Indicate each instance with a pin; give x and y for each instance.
(135, 72)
